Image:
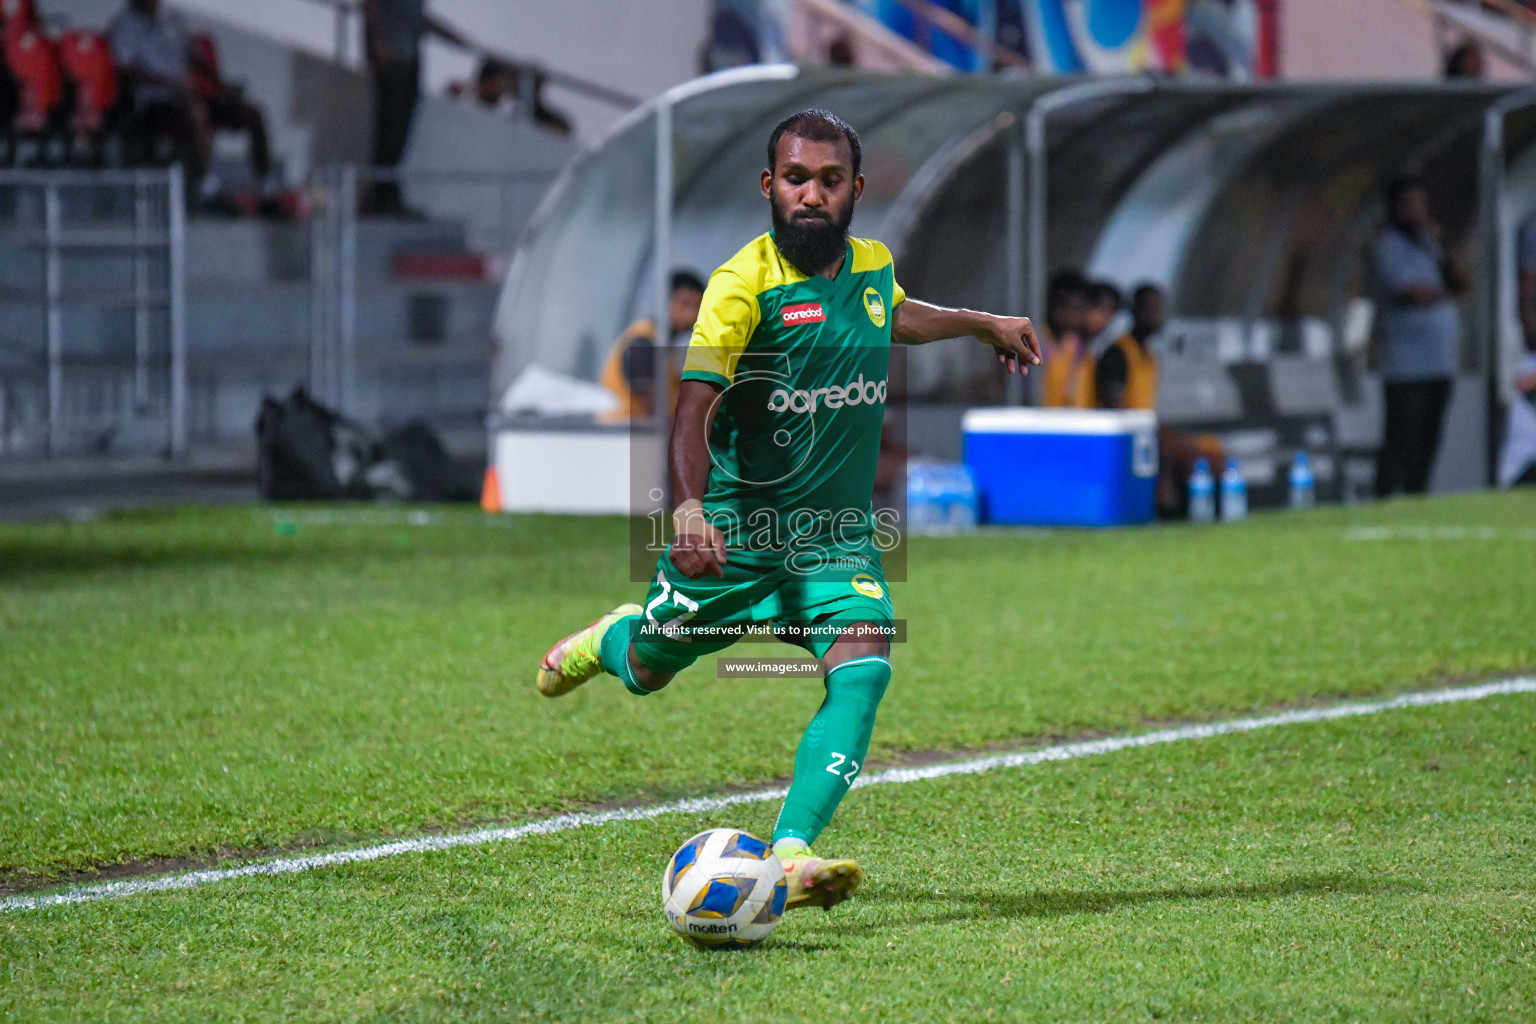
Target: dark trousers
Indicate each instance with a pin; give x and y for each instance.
(233, 112)
(396, 88)
(176, 124)
(1411, 436)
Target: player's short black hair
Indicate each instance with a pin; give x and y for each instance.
(1105, 291)
(1064, 284)
(1143, 290)
(817, 125)
(686, 279)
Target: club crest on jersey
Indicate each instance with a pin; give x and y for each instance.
(804, 313)
(874, 305)
(867, 585)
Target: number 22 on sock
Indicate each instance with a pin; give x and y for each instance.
(837, 764)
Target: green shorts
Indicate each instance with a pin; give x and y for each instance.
(688, 619)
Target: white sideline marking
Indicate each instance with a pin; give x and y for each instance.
(1438, 533)
(381, 517)
(702, 805)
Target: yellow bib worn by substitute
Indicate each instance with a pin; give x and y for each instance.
(1141, 374)
(1069, 379)
(632, 406)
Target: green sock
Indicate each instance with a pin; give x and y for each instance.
(614, 651)
(832, 751)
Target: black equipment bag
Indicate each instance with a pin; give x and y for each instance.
(306, 452)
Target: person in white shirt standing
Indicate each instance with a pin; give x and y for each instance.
(1418, 335)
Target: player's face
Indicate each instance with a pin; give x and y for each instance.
(812, 190)
(812, 182)
(1069, 315)
(1097, 318)
(1148, 312)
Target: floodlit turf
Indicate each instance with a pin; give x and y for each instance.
(1366, 869)
(184, 685)
(196, 684)
(187, 685)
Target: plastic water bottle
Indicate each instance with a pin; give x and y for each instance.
(964, 499)
(1303, 483)
(941, 498)
(1202, 493)
(919, 498)
(1234, 494)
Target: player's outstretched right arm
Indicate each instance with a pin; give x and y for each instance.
(698, 549)
(1013, 337)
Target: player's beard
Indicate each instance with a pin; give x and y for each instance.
(811, 245)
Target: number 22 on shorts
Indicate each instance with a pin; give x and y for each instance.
(672, 626)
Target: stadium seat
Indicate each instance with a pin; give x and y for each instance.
(1196, 391)
(17, 16)
(33, 61)
(86, 57)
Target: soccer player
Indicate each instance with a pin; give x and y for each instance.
(772, 457)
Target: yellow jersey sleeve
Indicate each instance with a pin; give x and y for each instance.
(870, 255)
(728, 316)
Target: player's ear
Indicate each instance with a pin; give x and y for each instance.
(767, 182)
(858, 187)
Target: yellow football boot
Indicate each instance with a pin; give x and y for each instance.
(578, 657)
(819, 881)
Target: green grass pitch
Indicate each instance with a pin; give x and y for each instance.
(187, 687)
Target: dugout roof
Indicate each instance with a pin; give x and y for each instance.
(1243, 201)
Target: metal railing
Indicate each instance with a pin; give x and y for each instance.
(127, 230)
(815, 24)
(394, 316)
(981, 38)
(1512, 9)
(1485, 20)
(490, 209)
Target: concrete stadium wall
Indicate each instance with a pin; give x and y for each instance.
(639, 49)
(319, 111)
(1384, 40)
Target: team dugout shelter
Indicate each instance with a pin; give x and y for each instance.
(1251, 206)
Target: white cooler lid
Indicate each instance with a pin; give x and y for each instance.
(1013, 419)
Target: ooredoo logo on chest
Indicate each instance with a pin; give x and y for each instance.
(804, 313)
(857, 392)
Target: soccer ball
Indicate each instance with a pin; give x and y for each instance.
(724, 889)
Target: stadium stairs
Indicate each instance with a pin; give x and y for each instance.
(422, 348)
(425, 288)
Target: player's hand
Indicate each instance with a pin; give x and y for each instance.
(1014, 338)
(698, 549)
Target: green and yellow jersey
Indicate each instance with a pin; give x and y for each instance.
(803, 362)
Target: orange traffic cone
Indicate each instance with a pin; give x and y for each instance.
(490, 493)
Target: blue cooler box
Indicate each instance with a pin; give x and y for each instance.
(1063, 467)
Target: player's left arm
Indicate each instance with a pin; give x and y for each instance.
(917, 323)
